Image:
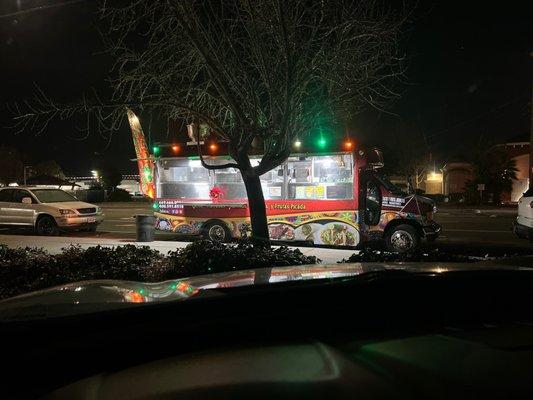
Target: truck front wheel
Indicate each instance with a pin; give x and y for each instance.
(402, 239)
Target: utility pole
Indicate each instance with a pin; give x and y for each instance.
(25, 173)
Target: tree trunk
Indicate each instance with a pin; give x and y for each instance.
(256, 204)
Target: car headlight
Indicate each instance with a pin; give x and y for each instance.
(67, 211)
(98, 210)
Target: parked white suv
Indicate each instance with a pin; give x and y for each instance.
(523, 226)
(48, 211)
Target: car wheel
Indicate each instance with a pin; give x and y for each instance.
(92, 228)
(46, 226)
(217, 231)
(402, 239)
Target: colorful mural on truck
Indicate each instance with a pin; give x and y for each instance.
(334, 222)
(412, 207)
(307, 222)
(339, 228)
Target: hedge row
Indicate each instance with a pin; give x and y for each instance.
(29, 269)
(432, 255)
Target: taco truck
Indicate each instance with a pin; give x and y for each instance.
(320, 195)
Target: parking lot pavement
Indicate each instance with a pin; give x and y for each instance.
(461, 227)
(487, 226)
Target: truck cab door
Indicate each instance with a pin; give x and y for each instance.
(370, 198)
(374, 200)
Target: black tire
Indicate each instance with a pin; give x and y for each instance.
(92, 228)
(402, 239)
(46, 226)
(217, 231)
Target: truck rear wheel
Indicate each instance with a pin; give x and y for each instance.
(402, 239)
(217, 231)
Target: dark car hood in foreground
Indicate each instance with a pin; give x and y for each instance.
(101, 295)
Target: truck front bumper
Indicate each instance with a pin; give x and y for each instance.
(522, 231)
(431, 230)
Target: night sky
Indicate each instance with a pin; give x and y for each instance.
(468, 79)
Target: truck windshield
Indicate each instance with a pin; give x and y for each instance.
(53, 196)
(387, 184)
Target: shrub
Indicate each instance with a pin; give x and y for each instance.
(24, 270)
(207, 256)
(119, 195)
(127, 262)
(30, 269)
(371, 255)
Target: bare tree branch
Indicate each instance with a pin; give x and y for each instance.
(210, 166)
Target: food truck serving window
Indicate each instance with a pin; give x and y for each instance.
(230, 181)
(182, 179)
(320, 177)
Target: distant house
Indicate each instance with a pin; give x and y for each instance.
(434, 182)
(428, 182)
(456, 175)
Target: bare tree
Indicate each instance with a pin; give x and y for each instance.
(258, 72)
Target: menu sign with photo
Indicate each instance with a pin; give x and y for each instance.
(337, 192)
(300, 192)
(274, 191)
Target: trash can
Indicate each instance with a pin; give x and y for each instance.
(145, 228)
